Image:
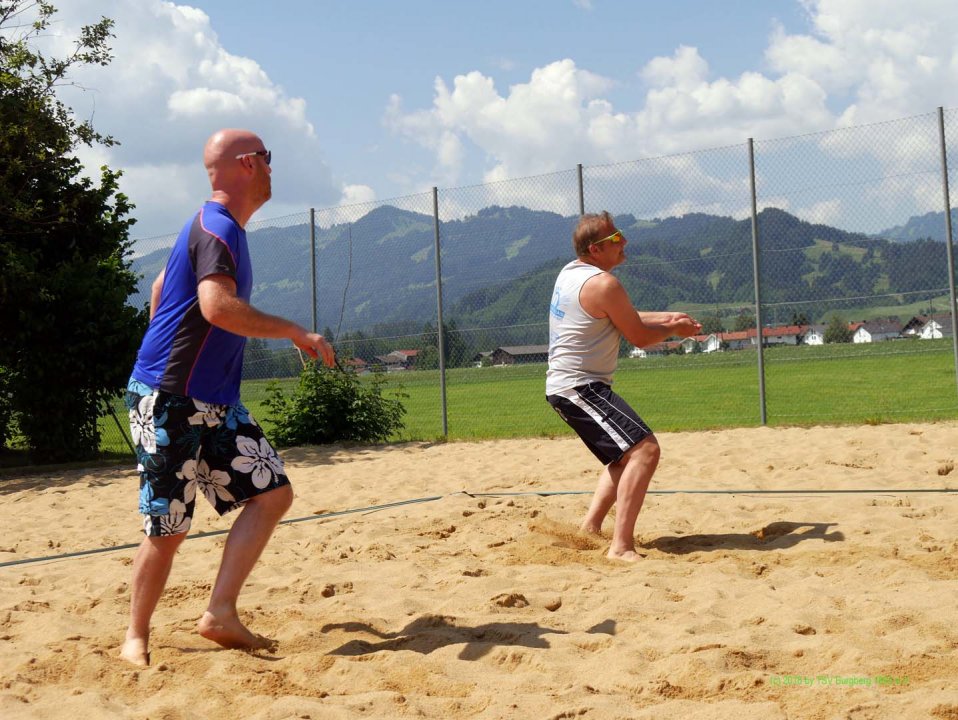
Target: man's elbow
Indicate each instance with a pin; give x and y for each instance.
(215, 313)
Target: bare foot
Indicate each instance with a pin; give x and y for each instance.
(590, 530)
(134, 651)
(228, 631)
(627, 556)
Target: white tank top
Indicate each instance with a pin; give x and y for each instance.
(582, 348)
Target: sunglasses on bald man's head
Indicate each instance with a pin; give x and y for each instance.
(615, 237)
(267, 155)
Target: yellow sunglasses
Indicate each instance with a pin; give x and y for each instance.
(615, 237)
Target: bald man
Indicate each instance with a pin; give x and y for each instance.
(193, 435)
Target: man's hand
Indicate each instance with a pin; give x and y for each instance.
(683, 325)
(315, 346)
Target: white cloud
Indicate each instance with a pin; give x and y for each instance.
(827, 212)
(863, 61)
(893, 59)
(356, 194)
(519, 130)
(173, 82)
(686, 69)
(170, 85)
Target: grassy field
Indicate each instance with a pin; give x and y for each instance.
(907, 310)
(831, 384)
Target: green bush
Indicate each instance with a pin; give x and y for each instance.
(333, 404)
(6, 406)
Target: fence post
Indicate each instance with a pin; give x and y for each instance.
(948, 239)
(581, 193)
(758, 287)
(312, 254)
(442, 332)
(129, 443)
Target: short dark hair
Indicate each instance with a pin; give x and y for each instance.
(591, 227)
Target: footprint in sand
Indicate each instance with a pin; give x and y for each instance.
(566, 536)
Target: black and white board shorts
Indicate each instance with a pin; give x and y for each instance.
(604, 421)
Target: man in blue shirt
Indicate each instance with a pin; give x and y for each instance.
(193, 434)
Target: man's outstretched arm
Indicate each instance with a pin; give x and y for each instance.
(156, 291)
(604, 296)
(221, 307)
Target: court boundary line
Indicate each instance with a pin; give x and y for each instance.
(525, 493)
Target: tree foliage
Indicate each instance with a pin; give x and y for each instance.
(837, 330)
(712, 324)
(69, 334)
(260, 362)
(744, 321)
(457, 352)
(330, 405)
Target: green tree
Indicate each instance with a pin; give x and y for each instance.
(257, 360)
(837, 330)
(744, 322)
(69, 336)
(712, 324)
(457, 352)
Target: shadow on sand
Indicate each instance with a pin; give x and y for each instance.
(432, 632)
(775, 536)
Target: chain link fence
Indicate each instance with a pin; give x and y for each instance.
(843, 270)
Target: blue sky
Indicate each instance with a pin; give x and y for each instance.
(365, 101)
(347, 59)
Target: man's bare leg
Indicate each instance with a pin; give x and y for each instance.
(151, 569)
(637, 467)
(244, 544)
(602, 500)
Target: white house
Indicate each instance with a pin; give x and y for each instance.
(935, 329)
(877, 330)
(915, 326)
(782, 334)
(397, 360)
(738, 340)
(662, 348)
(814, 335)
(709, 343)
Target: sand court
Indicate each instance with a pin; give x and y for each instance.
(491, 605)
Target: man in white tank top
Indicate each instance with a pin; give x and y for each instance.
(589, 312)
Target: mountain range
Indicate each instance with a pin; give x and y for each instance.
(930, 225)
(498, 266)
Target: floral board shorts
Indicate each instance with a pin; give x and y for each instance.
(186, 447)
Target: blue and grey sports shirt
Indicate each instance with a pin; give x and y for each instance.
(181, 352)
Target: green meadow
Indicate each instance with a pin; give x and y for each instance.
(898, 381)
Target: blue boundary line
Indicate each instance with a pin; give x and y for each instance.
(539, 493)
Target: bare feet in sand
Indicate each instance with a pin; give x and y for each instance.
(627, 555)
(134, 651)
(228, 631)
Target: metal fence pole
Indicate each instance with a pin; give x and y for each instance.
(581, 193)
(312, 244)
(948, 239)
(758, 286)
(442, 332)
(129, 443)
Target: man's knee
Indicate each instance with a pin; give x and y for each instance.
(647, 451)
(279, 500)
(165, 544)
